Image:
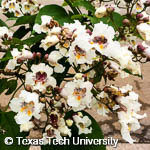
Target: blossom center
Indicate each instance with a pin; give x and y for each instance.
(28, 108)
(79, 93)
(101, 40)
(79, 52)
(12, 5)
(82, 126)
(41, 76)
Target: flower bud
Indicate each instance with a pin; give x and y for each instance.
(34, 55)
(110, 9)
(130, 48)
(5, 36)
(43, 99)
(57, 97)
(147, 3)
(126, 22)
(79, 76)
(38, 54)
(58, 90)
(101, 12)
(46, 56)
(69, 122)
(139, 16)
(140, 48)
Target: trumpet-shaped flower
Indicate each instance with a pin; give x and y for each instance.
(101, 36)
(53, 61)
(40, 77)
(26, 106)
(78, 94)
(83, 124)
(44, 27)
(81, 51)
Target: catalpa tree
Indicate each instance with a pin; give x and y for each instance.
(56, 59)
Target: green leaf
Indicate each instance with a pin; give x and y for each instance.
(0, 2)
(86, 4)
(2, 23)
(14, 42)
(117, 19)
(96, 134)
(33, 40)
(12, 18)
(55, 11)
(3, 85)
(64, 4)
(21, 32)
(25, 20)
(11, 129)
(12, 85)
(6, 57)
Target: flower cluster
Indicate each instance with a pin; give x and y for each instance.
(60, 65)
(42, 92)
(20, 7)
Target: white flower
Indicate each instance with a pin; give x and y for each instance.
(78, 94)
(40, 77)
(129, 118)
(83, 124)
(76, 28)
(101, 36)
(43, 28)
(81, 51)
(123, 56)
(26, 106)
(30, 7)
(27, 8)
(144, 31)
(26, 127)
(12, 6)
(4, 31)
(63, 129)
(139, 6)
(131, 101)
(50, 132)
(118, 68)
(12, 63)
(24, 55)
(49, 41)
(54, 31)
(53, 61)
(129, 122)
(100, 108)
(101, 12)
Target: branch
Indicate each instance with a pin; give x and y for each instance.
(3, 50)
(12, 74)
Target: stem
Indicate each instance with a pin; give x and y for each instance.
(3, 50)
(12, 74)
(72, 7)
